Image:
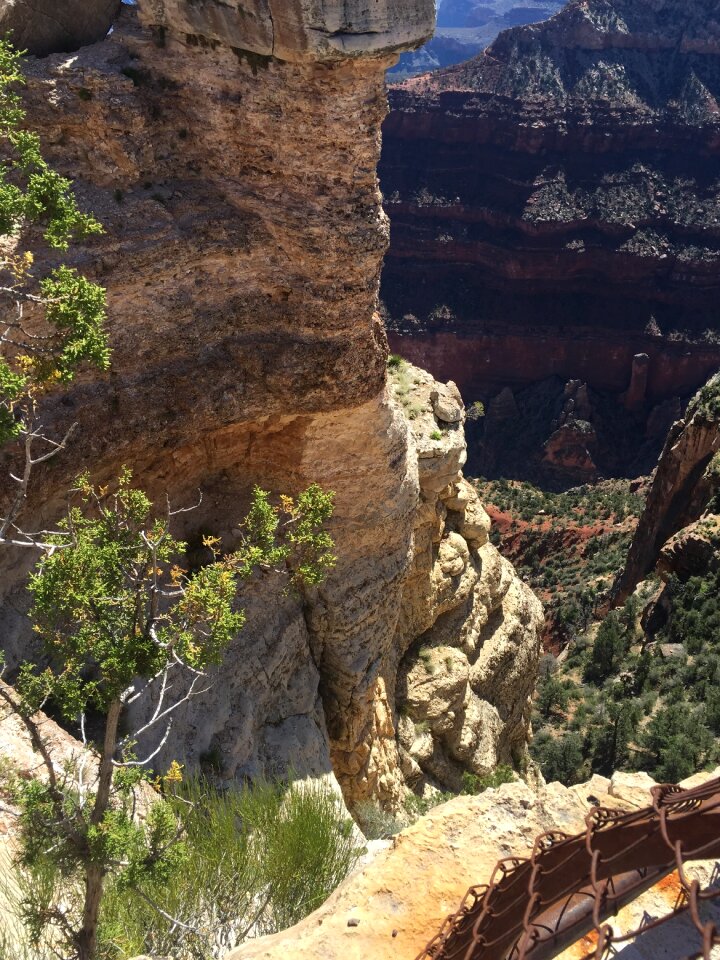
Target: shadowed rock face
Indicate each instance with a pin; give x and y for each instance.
(244, 236)
(681, 489)
(50, 26)
(552, 196)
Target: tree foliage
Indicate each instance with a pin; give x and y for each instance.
(608, 649)
(120, 619)
(52, 323)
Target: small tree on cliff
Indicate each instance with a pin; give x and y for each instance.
(49, 326)
(121, 620)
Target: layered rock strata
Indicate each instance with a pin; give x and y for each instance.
(393, 906)
(554, 202)
(235, 176)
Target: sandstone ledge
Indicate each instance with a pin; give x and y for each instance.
(297, 29)
(401, 898)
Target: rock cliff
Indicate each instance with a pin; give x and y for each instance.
(554, 203)
(684, 482)
(233, 165)
(469, 630)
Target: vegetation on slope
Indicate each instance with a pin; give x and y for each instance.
(625, 700)
(627, 691)
(253, 860)
(567, 546)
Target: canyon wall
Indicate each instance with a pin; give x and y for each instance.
(554, 202)
(465, 27)
(685, 481)
(232, 161)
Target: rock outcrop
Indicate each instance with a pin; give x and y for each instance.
(684, 482)
(554, 203)
(243, 242)
(395, 905)
(470, 627)
(296, 29)
(693, 551)
(46, 26)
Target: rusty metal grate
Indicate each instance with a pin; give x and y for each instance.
(535, 907)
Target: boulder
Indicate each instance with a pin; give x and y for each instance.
(45, 26)
(447, 403)
(633, 789)
(475, 524)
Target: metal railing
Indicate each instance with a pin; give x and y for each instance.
(535, 907)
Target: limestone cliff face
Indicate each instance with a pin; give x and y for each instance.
(299, 29)
(244, 236)
(469, 630)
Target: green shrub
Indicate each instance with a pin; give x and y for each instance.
(560, 758)
(377, 824)
(417, 807)
(474, 784)
(253, 861)
(257, 860)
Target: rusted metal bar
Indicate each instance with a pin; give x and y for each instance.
(567, 922)
(537, 906)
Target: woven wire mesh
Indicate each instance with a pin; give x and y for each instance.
(534, 907)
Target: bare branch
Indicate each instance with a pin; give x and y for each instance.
(174, 513)
(156, 751)
(173, 920)
(156, 719)
(8, 522)
(140, 693)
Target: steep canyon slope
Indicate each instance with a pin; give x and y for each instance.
(232, 161)
(555, 205)
(682, 499)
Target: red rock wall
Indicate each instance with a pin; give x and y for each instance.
(482, 364)
(562, 187)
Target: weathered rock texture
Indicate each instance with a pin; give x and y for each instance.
(46, 26)
(400, 899)
(470, 627)
(684, 482)
(243, 242)
(554, 202)
(299, 29)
